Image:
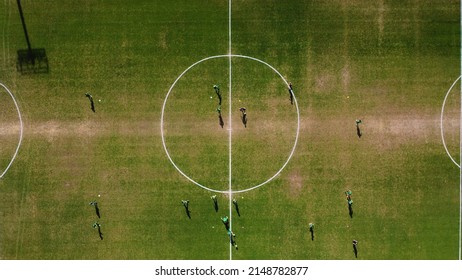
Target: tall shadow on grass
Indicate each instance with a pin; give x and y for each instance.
(97, 211)
(94, 203)
(220, 120)
(237, 207)
(244, 119)
(312, 233)
(98, 226)
(358, 130)
(215, 202)
(92, 103)
(186, 207)
(100, 233)
(350, 209)
(355, 248)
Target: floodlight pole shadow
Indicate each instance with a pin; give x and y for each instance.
(30, 60)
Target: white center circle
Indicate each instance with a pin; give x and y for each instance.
(188, 177)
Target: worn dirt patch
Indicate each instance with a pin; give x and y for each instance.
(295, 183)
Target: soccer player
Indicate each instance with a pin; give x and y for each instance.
(311, 225)
(355, 247)
(231, 238)
(185, 203)
(186, 206)
(358, 130)
(217, 91)
(225, 221)
(348, 194)
(244, 115)
(291, 94)
(94, 203)
(92, 104)
(97, 225)
(237, 207)
(215, 202)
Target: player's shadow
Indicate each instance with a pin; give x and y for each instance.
(97, 211)
(312, 234)
(355, 250)
(358, 132)
(244, 120)
(100, 233)
(220, 119)
(215, 206)
(350, 210)
(188, 212)
(237, 209)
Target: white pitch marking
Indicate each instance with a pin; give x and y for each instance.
(230, 132)
(20, 133)
(441, 122)
(163, 136)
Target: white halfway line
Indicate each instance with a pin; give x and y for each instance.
(230, 134)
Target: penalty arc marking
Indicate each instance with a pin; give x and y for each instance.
(441, 123)
(20, 133)
(192, 180)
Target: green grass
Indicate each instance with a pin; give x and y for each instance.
(389, 65)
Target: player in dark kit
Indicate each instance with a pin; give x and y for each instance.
(244, 115)
(217, 91)
(355, 247)
(358, 130)
(291, 94)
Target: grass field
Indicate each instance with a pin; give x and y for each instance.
(388, 63)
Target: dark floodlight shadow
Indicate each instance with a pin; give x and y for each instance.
(30, 60)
